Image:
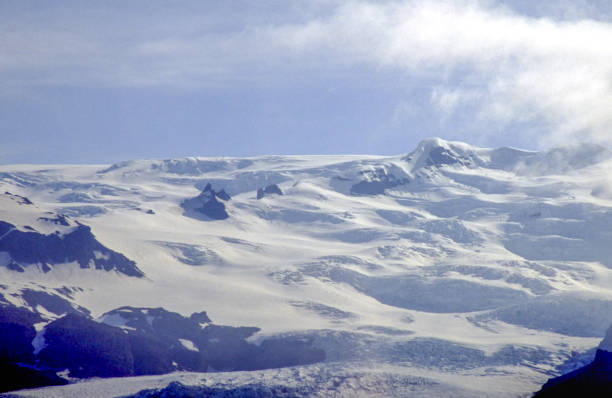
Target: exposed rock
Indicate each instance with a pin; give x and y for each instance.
(87, 348)
(215, 346)
(13, 266)
(160, 338)
(150, 357)
(207, 204)
(17, 376)
(223, 195)
(79, 245)
(17, 364)
(50, 302)
(22, 200)
(269, 190)
(592, 380)
(158, 322)
(59, 219)
(200, 317)
(16, 333)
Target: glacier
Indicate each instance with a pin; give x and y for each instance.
(452, 270)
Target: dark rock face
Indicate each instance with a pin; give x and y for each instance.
(150, 357)
(16, 333)
(214, 209)
(223, 195)
(5, 227)
(16, 376)
(200, 317)
(59, 219)
(592, 380)
(22, 200)
(196, 345)
(207, 204)
(220, 347)
(51, 302)
(160, 323)
(269, 190)
(80, 245)
(145, 341)
(13, 266)
(17, 353)
(87, 348)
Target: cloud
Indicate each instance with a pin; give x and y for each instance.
(511, 67)
(478, 56)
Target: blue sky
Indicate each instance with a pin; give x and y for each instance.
(98, 82)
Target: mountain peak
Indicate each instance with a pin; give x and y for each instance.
(434, 152)
(437, 152)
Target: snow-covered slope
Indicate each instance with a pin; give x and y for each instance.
(461, 265)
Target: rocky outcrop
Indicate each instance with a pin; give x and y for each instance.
(592, 380)
(16, 376)
(79, 245)
(194, 343)
(129, 341)
(272, 189)
(16, 333)
(208, 205)
(86, 348)
(17, 358)
(21, 200)
(51, 303)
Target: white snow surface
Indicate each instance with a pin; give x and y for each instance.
(39, 340)
(188, 344)
(475, 250)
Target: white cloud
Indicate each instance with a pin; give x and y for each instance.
(525, 69)
(505, 67)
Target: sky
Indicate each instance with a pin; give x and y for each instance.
(105, 81)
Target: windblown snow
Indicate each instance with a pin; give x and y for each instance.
(453, 265)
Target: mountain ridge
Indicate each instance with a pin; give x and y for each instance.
(441, 263)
